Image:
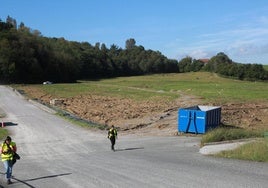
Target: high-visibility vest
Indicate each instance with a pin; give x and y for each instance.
(9, 154)
(112, 133)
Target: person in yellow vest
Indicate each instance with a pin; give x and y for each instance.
(8, 148)
(112, 135)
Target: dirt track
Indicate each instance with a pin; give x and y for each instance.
(148, 118)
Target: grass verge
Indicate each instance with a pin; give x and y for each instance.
(3, 133)
(227, 133)
(254, 151)
(80, 122)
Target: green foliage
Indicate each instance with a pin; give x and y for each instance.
(224, 66)
(3, 133)
(265, 67)
(254, 151)
(130, 43)
(228, 133)
(5, 26)
(188, 64)
(28, 57)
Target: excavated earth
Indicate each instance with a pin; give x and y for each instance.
(151, 118)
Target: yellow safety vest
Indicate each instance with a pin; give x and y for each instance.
(112, 133)
(5, 148)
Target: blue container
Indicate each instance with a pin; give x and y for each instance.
(198, 119)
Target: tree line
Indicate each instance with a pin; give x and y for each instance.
(28, 57)
(224, 66)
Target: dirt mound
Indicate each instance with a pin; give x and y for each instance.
(246, 115)
(151, 118)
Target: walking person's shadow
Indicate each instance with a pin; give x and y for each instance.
(33, 179)
(126, 149)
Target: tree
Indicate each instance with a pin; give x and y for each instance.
(11, 21)
(5, 26)
(97, 45)
(130, 43)
(196, 65)
(103, 48)
(218, 62)
(185, 64)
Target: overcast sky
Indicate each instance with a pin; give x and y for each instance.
(176, 28)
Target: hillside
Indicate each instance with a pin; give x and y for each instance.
(149, 117)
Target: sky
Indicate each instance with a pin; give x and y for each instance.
(176, 28)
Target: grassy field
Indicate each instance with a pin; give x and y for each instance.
(208, 86)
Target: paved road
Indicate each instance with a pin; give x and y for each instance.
(58, 154)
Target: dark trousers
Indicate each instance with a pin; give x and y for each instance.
(112, 139)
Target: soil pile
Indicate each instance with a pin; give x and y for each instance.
(150, 118)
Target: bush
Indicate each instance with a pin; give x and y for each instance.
(226, 133)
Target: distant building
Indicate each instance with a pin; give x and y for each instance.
(205, 61)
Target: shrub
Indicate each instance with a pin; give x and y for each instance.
(226, 133)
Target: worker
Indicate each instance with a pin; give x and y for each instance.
(8, 148)
(112, 135)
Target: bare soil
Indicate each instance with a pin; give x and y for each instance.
(150, 118)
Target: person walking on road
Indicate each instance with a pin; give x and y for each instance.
(8, 148)
(112, 135)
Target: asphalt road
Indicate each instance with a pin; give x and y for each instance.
(56, 153)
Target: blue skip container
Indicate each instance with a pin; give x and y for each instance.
(198, 119)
